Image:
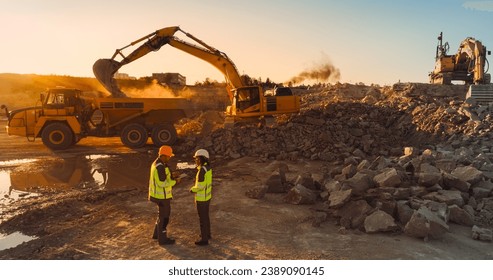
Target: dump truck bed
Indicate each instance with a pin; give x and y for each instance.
(146, 104)
(156, 110)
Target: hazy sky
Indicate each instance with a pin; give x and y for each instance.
(369, 41)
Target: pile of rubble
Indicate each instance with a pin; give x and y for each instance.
(361, 132)
(352, 120)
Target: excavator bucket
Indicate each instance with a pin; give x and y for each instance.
(104, 69)
(483, 94)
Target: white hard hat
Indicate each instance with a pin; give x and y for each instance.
(202, 152)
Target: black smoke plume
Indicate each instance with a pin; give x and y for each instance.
(322, 73)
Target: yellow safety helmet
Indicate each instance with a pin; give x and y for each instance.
(166, 150)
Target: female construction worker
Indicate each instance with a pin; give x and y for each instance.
(203, 194)
(161, 183)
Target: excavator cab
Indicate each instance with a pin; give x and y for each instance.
(247, 97)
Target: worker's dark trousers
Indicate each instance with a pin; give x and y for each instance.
(205, 222)
(164, 211)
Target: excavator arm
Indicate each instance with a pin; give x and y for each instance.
(472, 55)
(104, 69)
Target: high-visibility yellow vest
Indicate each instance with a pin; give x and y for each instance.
(160, 189)
(203, 190)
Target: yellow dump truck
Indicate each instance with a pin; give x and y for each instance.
(67, 115)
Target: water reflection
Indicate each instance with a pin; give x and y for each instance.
(6, 190)
(15, 162)
(12, 240)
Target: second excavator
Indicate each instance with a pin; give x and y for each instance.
(468, 65)
(247, 101)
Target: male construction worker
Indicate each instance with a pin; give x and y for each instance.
(161, 182)
(203, 194)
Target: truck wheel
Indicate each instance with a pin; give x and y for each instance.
(57, 136)
(134, 135)
(163, 134)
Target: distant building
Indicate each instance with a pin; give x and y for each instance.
(172, 79)
(123, 76)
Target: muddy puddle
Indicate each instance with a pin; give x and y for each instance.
(24, 178)
(31, 177)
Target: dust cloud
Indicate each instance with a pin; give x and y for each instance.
(153, 91)
(325, 72)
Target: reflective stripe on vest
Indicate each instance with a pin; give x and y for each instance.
(204, 189)
(160, 189)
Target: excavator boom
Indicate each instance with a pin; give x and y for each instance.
(104, 69)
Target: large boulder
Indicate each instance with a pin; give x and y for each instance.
(429, 179)
(404, 212)
(449, 197)
(300, 195)
(276, 183)
(306, 180)
(424, 224)
(359, 183)
(380, 221)
(389, 177)
(257, 192)
(339, 198)
(468, 174)
(460, 216)
(452, 182)
(482, 234)
(353, 213)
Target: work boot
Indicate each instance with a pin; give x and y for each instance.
(164, 240)
(167, 241)
(202, 243)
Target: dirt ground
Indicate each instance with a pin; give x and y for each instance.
(90, 203)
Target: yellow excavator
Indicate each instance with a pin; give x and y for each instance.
(247, 101)
(469, 64)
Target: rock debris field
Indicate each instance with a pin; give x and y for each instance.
(408, 158)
